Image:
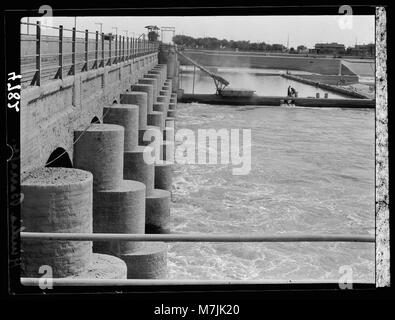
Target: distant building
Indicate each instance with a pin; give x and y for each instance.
(302, 49)
(329, 48)
(276, 47)
(368, 50)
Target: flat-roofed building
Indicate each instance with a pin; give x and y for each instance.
(330, 48)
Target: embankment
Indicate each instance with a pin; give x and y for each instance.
(326, 66)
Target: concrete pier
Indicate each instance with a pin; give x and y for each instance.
(160, 106)
(57, 200)
(100, 150)
(120, 210)
(171, 113)
(148, 263)
(140, 99)
(158, 80)
(164, 176)
(149, 90)
(114, 189)
(164, 100)
(127, 116)
(156, 118)
(157, 211)
(154, 83)
(137, 169)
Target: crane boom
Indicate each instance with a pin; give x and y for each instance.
(220, 82)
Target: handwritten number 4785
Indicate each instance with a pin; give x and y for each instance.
(13, 95)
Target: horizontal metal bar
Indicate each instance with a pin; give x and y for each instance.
(164, 282)
(48, 27)
(175, 237)
(25, 34)
(29, 23)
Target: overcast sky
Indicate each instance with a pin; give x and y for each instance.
(301, 30)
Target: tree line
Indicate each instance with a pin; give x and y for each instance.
(217, 44)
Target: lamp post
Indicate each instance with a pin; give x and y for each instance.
(101, 26)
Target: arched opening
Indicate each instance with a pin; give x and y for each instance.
(95, 120)
(59, 158)
(115, 102)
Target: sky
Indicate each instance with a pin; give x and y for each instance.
(295, 30)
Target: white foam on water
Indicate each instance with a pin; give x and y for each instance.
(312, 172)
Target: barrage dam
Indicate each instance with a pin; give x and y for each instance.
(86, 105)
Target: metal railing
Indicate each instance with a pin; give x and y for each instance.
(179, 237)
(79, 52)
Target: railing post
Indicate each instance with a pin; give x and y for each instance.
(109, 50)
(37, 75)
(127, 48)
(120, 49)
(102, 50)
(96, 65)
(133, 48)
(85, 68)
(139, 47)
(72, 69)
(123, 48)
(115, 47)
(59, 73)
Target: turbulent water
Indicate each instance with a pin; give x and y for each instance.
(312, 172)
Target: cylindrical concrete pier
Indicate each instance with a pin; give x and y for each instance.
(159, 73)
(147, 263)
(157, 212)
(167, 151)
(172, 106)
(103, 266)
(164, 100)
(168, 134)
(167, 89)
(171, 64)
(149, 90)
(154, 83)
(171, 113)
(136, 168)
(165, 94)
(149, 132)
(126, 115)
(164, 176)
(170, 122)
(99, 150)
(140, 99)
(158, 81)
(120, 210)
(56, 200)
(161, 107)
(156, 118)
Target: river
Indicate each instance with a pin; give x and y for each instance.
(313, 171)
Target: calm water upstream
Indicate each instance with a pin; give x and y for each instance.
(312, 172)
(253, 79)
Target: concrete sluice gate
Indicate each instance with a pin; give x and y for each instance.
(110, 188)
